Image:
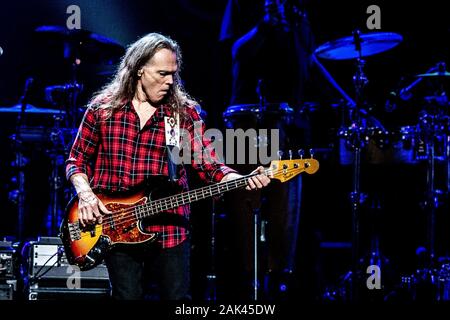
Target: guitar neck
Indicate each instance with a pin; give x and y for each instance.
(156, 206)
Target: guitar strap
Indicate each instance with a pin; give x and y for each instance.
(172, 133)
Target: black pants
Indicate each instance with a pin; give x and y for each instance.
(127, 269)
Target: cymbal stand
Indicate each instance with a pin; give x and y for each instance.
(20, 160)
(19, 163)
(434, 123)
(432, 200)
(360, 81)
(73, 88)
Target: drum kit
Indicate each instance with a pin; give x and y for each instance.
(364, 138)
(425, 142)
(52, 130)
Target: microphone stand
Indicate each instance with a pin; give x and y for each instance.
(211, 276)
(20, 161)
(360, 81)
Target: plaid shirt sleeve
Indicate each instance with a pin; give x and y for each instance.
(84, 146)
(204, 158)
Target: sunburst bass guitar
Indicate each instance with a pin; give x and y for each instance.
(86, 246)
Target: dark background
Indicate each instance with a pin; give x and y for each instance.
(323, 253)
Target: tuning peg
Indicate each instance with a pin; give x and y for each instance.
(290, 154)
(280, 154)
(301, 153)
(311, 152)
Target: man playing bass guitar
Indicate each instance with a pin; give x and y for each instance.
(121, 144)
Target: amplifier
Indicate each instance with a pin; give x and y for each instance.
(46, 259)
(6, 291)
(50, 276)
(7, 259)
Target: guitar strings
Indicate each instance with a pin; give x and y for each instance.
(127, 215)
(135, 208)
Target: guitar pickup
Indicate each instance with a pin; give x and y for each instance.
(129, 228)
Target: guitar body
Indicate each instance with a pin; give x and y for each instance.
(86, 247)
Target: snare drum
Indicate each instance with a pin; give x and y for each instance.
(254, 116)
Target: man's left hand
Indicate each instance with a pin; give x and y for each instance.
(259, 181)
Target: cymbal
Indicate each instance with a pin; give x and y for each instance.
(29, 109)
(435, 74)
(371, 43)
(83, 43)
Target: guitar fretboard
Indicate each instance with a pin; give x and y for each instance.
(156, 206)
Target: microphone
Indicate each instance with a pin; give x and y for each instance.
(405, 93)
(24, 98)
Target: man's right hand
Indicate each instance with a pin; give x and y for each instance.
(90, 208)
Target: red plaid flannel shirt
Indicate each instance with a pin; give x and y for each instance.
(117, 155)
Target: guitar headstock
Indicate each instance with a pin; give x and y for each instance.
(285, 170)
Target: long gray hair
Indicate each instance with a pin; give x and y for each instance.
(122, 88)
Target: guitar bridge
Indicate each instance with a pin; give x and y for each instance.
(74, 231)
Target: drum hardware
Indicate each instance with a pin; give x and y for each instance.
(429, 143)
(431, 281)
(427, 285)
(19, 159)
(357, 47)
(434, 129)
(52, 130)
(56, 153)
(80, 47)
